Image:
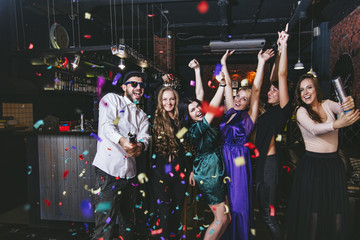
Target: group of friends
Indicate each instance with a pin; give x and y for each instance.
(317, 207)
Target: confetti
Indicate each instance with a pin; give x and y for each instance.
(116, 121)
(27, 207)
(49, 67)
(86, 208)
(142, 193)
(65, 174)
(103, 206)
(96, 137)
(203, 7)
(249, 145)
(253, 231)
(210, 84)
(287, 168)
(64, 193)
(217, 70)
(188, 154)
(82, 173)
(47, 202)
(227, 177)
(181, 133)
(167, 168)
(226, 209)
(154, 156)
(146, 96)
(214, 110)
(38, 124)
(108, 220)
(192, 83)
(65, 63)
(100, 82)
(73, 147)
(31, 46)
(272, 211)
(29, 170)
(211, 231)
(86, 152)
(116, 79)
(177, 167)
(156, 232)
(239, 161)
(66, 149)
(81, 156)
(278, 138)
(60, 204)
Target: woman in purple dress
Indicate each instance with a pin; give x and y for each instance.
(235, 131)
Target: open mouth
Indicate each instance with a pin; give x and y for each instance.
(307, 97)
(199, 114)
(137, 94)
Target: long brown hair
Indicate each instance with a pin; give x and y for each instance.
(299, 103)
(163, 131)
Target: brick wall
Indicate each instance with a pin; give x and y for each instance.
(345, 39)
(164, 51)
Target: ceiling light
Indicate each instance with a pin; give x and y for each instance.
(299, 65)
(122, 64)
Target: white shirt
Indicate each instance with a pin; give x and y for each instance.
(110, 156)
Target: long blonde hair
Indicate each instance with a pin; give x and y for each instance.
(163, 131)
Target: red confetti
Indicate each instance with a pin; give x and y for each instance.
(214, 208)
(87, 36)
(31, 46)
(158, 222)
(182, 175)
(203, 7)
(151, 15)
(166, 188)
(155, 232)
(198, 235)
(81, 156)
(65, 174)
(38, 74)
(184, 227)
(257, 154)
(109, 149)
(65, 62)
(121, 237)
(287, 168)
(66, 149)
(117, 178)
(249, 145)
(272, 211)
(210, 84)
(86, 162)
(60, 204)
(102, 178)
(214, 110)
(177, 167)
(47, 202)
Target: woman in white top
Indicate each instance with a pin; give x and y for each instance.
(318, 205)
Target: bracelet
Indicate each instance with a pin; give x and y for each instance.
(222, 85)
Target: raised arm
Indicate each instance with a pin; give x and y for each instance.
(199, 89)
(228, 90)
(282, 74)
(255, 90)
(216, 101)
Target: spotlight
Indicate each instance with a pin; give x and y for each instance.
(122, 64)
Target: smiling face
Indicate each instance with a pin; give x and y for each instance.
(133, 93)
(195, 111)
(242, 100)
(273, 95)
(168, 101)
(308, 92)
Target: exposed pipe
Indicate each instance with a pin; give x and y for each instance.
(224, 24)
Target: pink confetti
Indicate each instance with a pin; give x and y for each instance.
(192, 83)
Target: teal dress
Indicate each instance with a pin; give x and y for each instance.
(208, 167)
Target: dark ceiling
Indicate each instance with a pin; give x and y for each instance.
(134, 22)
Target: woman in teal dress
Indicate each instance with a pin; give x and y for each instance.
(208, 167)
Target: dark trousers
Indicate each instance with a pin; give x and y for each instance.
(115, 201)
(168, 194)
(266, 193)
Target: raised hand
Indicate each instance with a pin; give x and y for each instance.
(225, 56)
(264, 56)
(283, 37)
(194, 64)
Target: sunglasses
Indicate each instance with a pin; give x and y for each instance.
(135, 84)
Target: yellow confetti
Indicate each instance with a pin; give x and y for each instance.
(181, 133)
(146, 212)
(226, 209)
(116, 121)
(278, 138)
(226, 178)
(239, 161)
(95, 191)
(214, 176)
(253, 231)
(82, 173)
(161, 181)
(64, 193)
(181, 140)
(201, 182)
(119, 192)
(159, 137)
(206, 225)
(142, 193)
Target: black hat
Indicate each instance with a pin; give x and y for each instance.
(130, 74)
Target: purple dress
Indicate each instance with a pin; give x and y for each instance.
(234, 134)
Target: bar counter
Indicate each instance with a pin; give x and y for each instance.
(60, 176)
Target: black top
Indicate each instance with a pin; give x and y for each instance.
(269, 124)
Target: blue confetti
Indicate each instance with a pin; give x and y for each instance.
(217, 70)
(29, 170)
(146, 96)
(85, 152)
(211, 231)
(116, 79)
(103, 206)
(38, 124)
(167, 168)
(154, 156)
(188, 154)
(96, 137)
